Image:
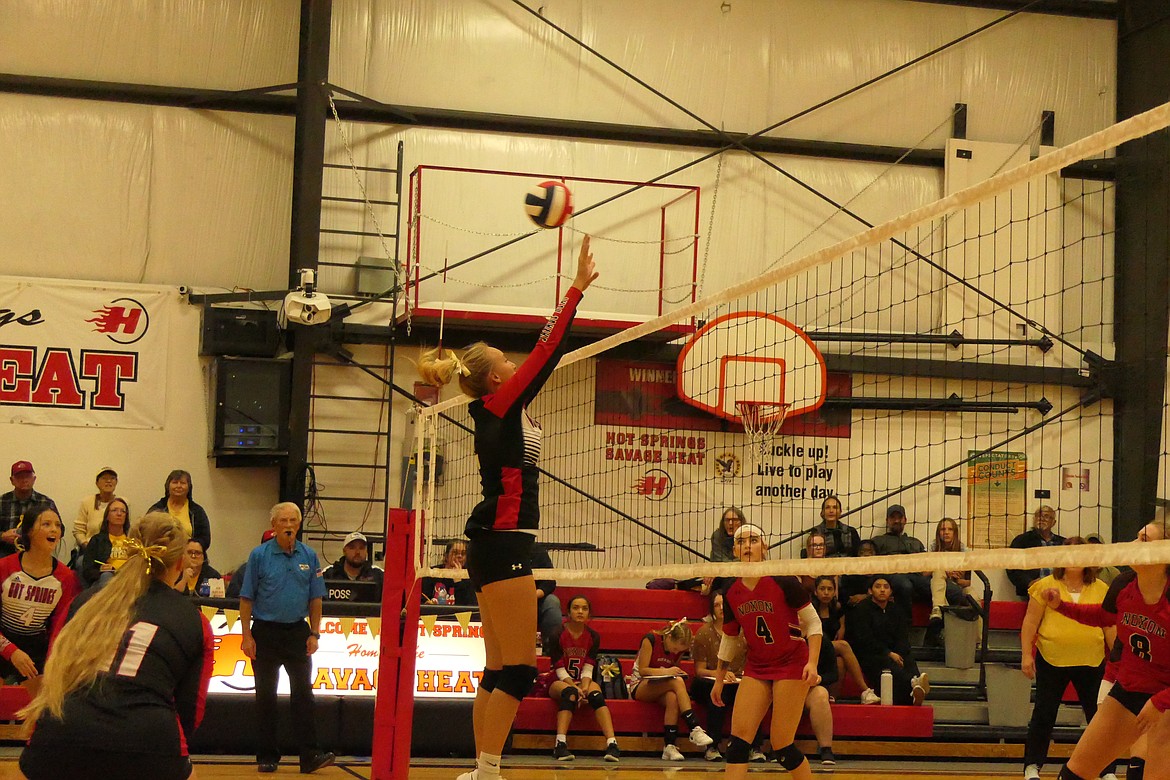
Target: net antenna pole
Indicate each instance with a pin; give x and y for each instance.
(761, 422)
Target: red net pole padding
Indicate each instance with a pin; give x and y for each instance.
(394, 709)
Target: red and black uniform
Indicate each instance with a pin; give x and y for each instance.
(32, 609)
(576, 655)
(507, 442)
(1144, 666)
(771, 628)
(134, 720)
(659, 658)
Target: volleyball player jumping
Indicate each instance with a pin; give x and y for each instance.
(502, 526)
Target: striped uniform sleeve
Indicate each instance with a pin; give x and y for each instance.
(191, 693)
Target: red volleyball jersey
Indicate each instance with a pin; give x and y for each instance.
(577, 655)
(32, 609)
(771, 628)
(1144, 666)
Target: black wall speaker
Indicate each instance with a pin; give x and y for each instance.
(243, 332)
(251, 407)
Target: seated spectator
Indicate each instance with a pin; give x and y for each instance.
(879, 634)
(574, 648)
(447, 590)
(35, 592)
(946, 587)
(93, 508)
(906, 587)
(106, 552)
(1106, 574)
(178, 501)
(706, 655)
(237, 576)
(548, 604)
(1041, 534)
(722, 536)
(658, 678)
(16, 502)
(854, 588)
(814, 547)
(837, 657)
(197, 570)
(841, 540)
(354, 563)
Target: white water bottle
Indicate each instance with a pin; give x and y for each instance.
(887, 687)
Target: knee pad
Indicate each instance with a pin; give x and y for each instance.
(1068, 774)
(790, 757)
(596, 699)
(569, 699)
(488, 681)
(516, 680)
(738, 751)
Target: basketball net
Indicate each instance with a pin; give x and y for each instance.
(761, 422)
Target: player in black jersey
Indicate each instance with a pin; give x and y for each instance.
(127, 679)
(502, 526)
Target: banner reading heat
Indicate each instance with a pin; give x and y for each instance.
(83, 355)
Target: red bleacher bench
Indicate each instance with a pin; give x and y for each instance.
(637, 717)
(658, 605)
(13, 698)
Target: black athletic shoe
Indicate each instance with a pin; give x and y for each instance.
(827, 757)
(561, 752)
(319, 761)
(612, 753)
(266, 767)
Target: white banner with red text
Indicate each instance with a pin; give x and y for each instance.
(84, 354)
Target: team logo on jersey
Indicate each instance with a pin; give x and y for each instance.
(122, 320)
(655, 485)
(727, 466)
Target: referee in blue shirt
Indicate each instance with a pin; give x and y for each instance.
(283, 586)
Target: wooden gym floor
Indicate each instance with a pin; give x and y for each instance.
(532, 768)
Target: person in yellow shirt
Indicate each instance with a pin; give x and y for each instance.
(1065, 651)
(180, 505)
(105, 552)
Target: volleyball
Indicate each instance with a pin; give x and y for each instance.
(549, 204)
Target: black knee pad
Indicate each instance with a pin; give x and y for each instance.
(596, 699)
(516, 680)
(569, 699)
(1068, 774)
(488, 681)
(790, 757)
(738, 751)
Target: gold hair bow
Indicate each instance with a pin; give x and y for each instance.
(459, 365)
(151, 553)
(611, 670)
(675, 624)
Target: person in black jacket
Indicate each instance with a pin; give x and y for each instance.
(503, 524)
(1041, 534)
(178, 502)
(879, 634)
(105, 553)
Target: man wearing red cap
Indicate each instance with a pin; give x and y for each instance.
(14, 503)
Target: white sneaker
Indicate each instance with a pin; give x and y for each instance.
(755, 755)
(936, 613)
(1031, 772)
(1108, 776)
(671, 753)
(869, 697)
(920, 686)
(699, 737)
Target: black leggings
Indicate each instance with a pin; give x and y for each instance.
(872, 668)
(717, 716)
(1051, 682)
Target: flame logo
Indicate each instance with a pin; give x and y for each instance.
(122, 320)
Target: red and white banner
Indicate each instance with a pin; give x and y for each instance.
(83, 355)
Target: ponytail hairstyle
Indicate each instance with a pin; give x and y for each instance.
(679, 632)
(88, 643)
(472, 368)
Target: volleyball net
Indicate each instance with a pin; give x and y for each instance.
(950, 360)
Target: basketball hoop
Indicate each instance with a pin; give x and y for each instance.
(761, 422)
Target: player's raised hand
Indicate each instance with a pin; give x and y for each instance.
(1052, 598)
(586, 271)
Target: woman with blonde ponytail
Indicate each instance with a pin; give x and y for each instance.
(127, 679)
(502, 526)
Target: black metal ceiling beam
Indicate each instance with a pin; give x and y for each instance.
(952, 339)
(1088, 9)
(953, 369)
(952, 403)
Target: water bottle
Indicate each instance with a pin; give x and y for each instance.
(204, 589)
(887, 687)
